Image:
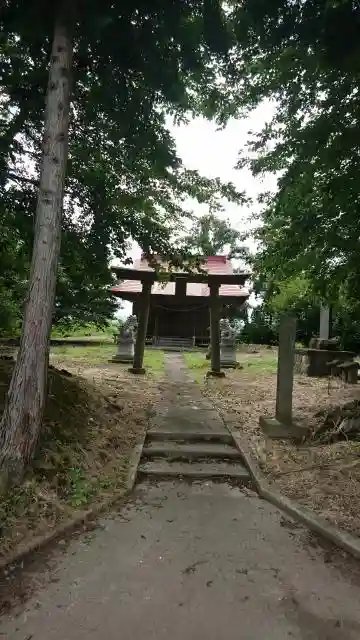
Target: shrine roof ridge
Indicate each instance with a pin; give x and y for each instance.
(216, 269)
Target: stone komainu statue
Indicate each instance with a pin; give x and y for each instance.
(227, 332)
(129, 329)
(227, 336)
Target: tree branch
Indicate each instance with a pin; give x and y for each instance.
(17, 178)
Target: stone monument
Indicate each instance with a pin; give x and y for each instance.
(126, 341)
(317, 360)
(282, 426)
(227, 345)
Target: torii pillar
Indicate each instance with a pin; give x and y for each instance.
(215, 312)
(144, 304)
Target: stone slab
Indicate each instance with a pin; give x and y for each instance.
(136, 371)
(179, 424)
(190, 436)
(193, 402)
(215, 374)
(188, 419)
(176, 450)
(197, 470)
(279, 431)
(230, 365)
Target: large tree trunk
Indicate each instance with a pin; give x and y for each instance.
(25, 403)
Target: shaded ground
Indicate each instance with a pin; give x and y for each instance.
(93, 420)
(202, 561)
(325, 478)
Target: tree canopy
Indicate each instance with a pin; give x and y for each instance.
(211, 235)
(304, 56)
(125, 180)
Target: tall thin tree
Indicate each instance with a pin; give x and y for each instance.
(25, 402)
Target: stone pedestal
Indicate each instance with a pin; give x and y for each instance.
(125, 341)
(349, 372)
(315, 363)
(277, 430)
(125, 351)
(228, 354)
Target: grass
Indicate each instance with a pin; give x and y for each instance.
(88, 330)
(197, 363)
(154, 362)
(253, 364)
(102, 353)
(85, 354)
(265, 364)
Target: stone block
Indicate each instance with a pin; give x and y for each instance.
(125, 351)
(121, 359)
(349, 372)
(230, 365)
(140, 371)
(279, 431)
(215, 374)
(316, 363)
(228, 355)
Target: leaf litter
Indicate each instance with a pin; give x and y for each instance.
(322, 473)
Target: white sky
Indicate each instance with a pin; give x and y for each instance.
(214, 153)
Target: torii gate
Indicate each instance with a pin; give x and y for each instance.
(213, 280)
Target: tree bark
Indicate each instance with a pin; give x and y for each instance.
(26, 398)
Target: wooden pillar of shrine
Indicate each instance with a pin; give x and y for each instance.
(144, 306)
(215, 311)
(156, 327)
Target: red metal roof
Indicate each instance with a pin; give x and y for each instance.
(219, 265)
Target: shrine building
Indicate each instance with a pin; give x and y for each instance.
(176, 312)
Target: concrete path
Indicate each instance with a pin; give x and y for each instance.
(197, 562)
(183, 406)
(188, 438)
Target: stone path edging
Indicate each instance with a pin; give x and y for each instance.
(81, 518)
(316, 523)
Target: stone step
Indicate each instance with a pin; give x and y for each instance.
(190, 436)
(174, 342)
(186, 451)
(208, 470)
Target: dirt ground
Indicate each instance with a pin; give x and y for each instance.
(323, 477)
